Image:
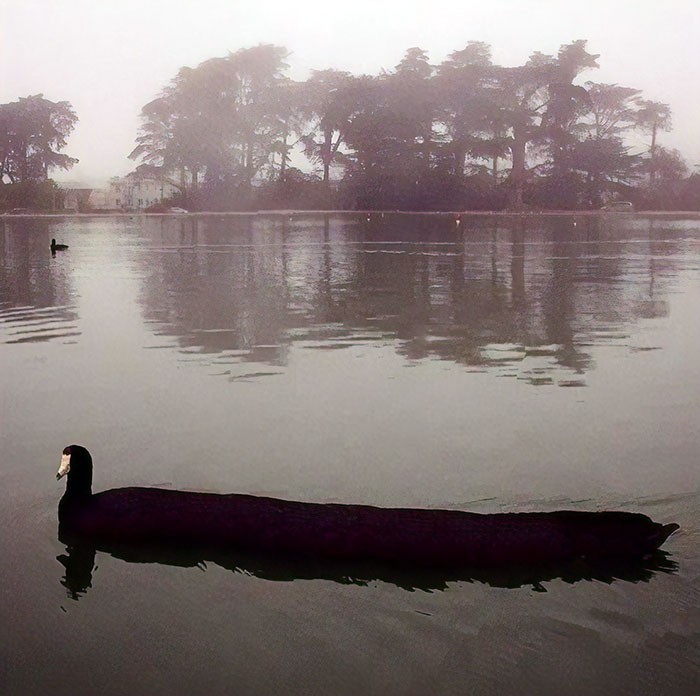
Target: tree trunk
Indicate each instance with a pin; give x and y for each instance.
(460, 158)
(517, 175)
(183, 186)
(249, 170)
(326, 156)
(652, 152)
(283, 163)
(425, 152)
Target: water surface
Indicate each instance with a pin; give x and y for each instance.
(502, 364)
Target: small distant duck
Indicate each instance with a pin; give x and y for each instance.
(395, 536)
(57, 247)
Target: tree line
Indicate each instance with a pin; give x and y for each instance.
(33, 131)
(237, 133)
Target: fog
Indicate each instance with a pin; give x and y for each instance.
(110, 58)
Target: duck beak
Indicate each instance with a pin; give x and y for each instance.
(64, 468)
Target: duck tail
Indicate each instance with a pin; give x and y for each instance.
(660, 535)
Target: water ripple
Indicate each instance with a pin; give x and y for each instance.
(37, 324)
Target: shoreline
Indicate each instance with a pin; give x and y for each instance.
(684, 214)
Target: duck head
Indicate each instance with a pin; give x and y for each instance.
(76, 464)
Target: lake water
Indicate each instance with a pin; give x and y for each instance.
(502, 364)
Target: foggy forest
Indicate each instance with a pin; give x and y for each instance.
(236, 133)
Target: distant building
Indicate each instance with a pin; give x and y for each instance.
(130, 192)
(76, 197)
(133, 192)
(100, 200)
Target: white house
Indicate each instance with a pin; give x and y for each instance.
(137, 192)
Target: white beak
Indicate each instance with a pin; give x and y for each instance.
(64, 468)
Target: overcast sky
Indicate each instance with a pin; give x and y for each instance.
(109, 57)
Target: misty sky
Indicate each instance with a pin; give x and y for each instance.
(110, 57)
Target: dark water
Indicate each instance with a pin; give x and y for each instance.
(499, 365)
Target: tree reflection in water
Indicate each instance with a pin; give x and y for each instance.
(526, 297)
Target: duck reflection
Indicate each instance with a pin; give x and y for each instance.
(79, 563)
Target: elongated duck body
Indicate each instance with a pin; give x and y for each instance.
(434, 538)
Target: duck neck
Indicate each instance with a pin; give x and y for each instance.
(73, 500)
(79, 484)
